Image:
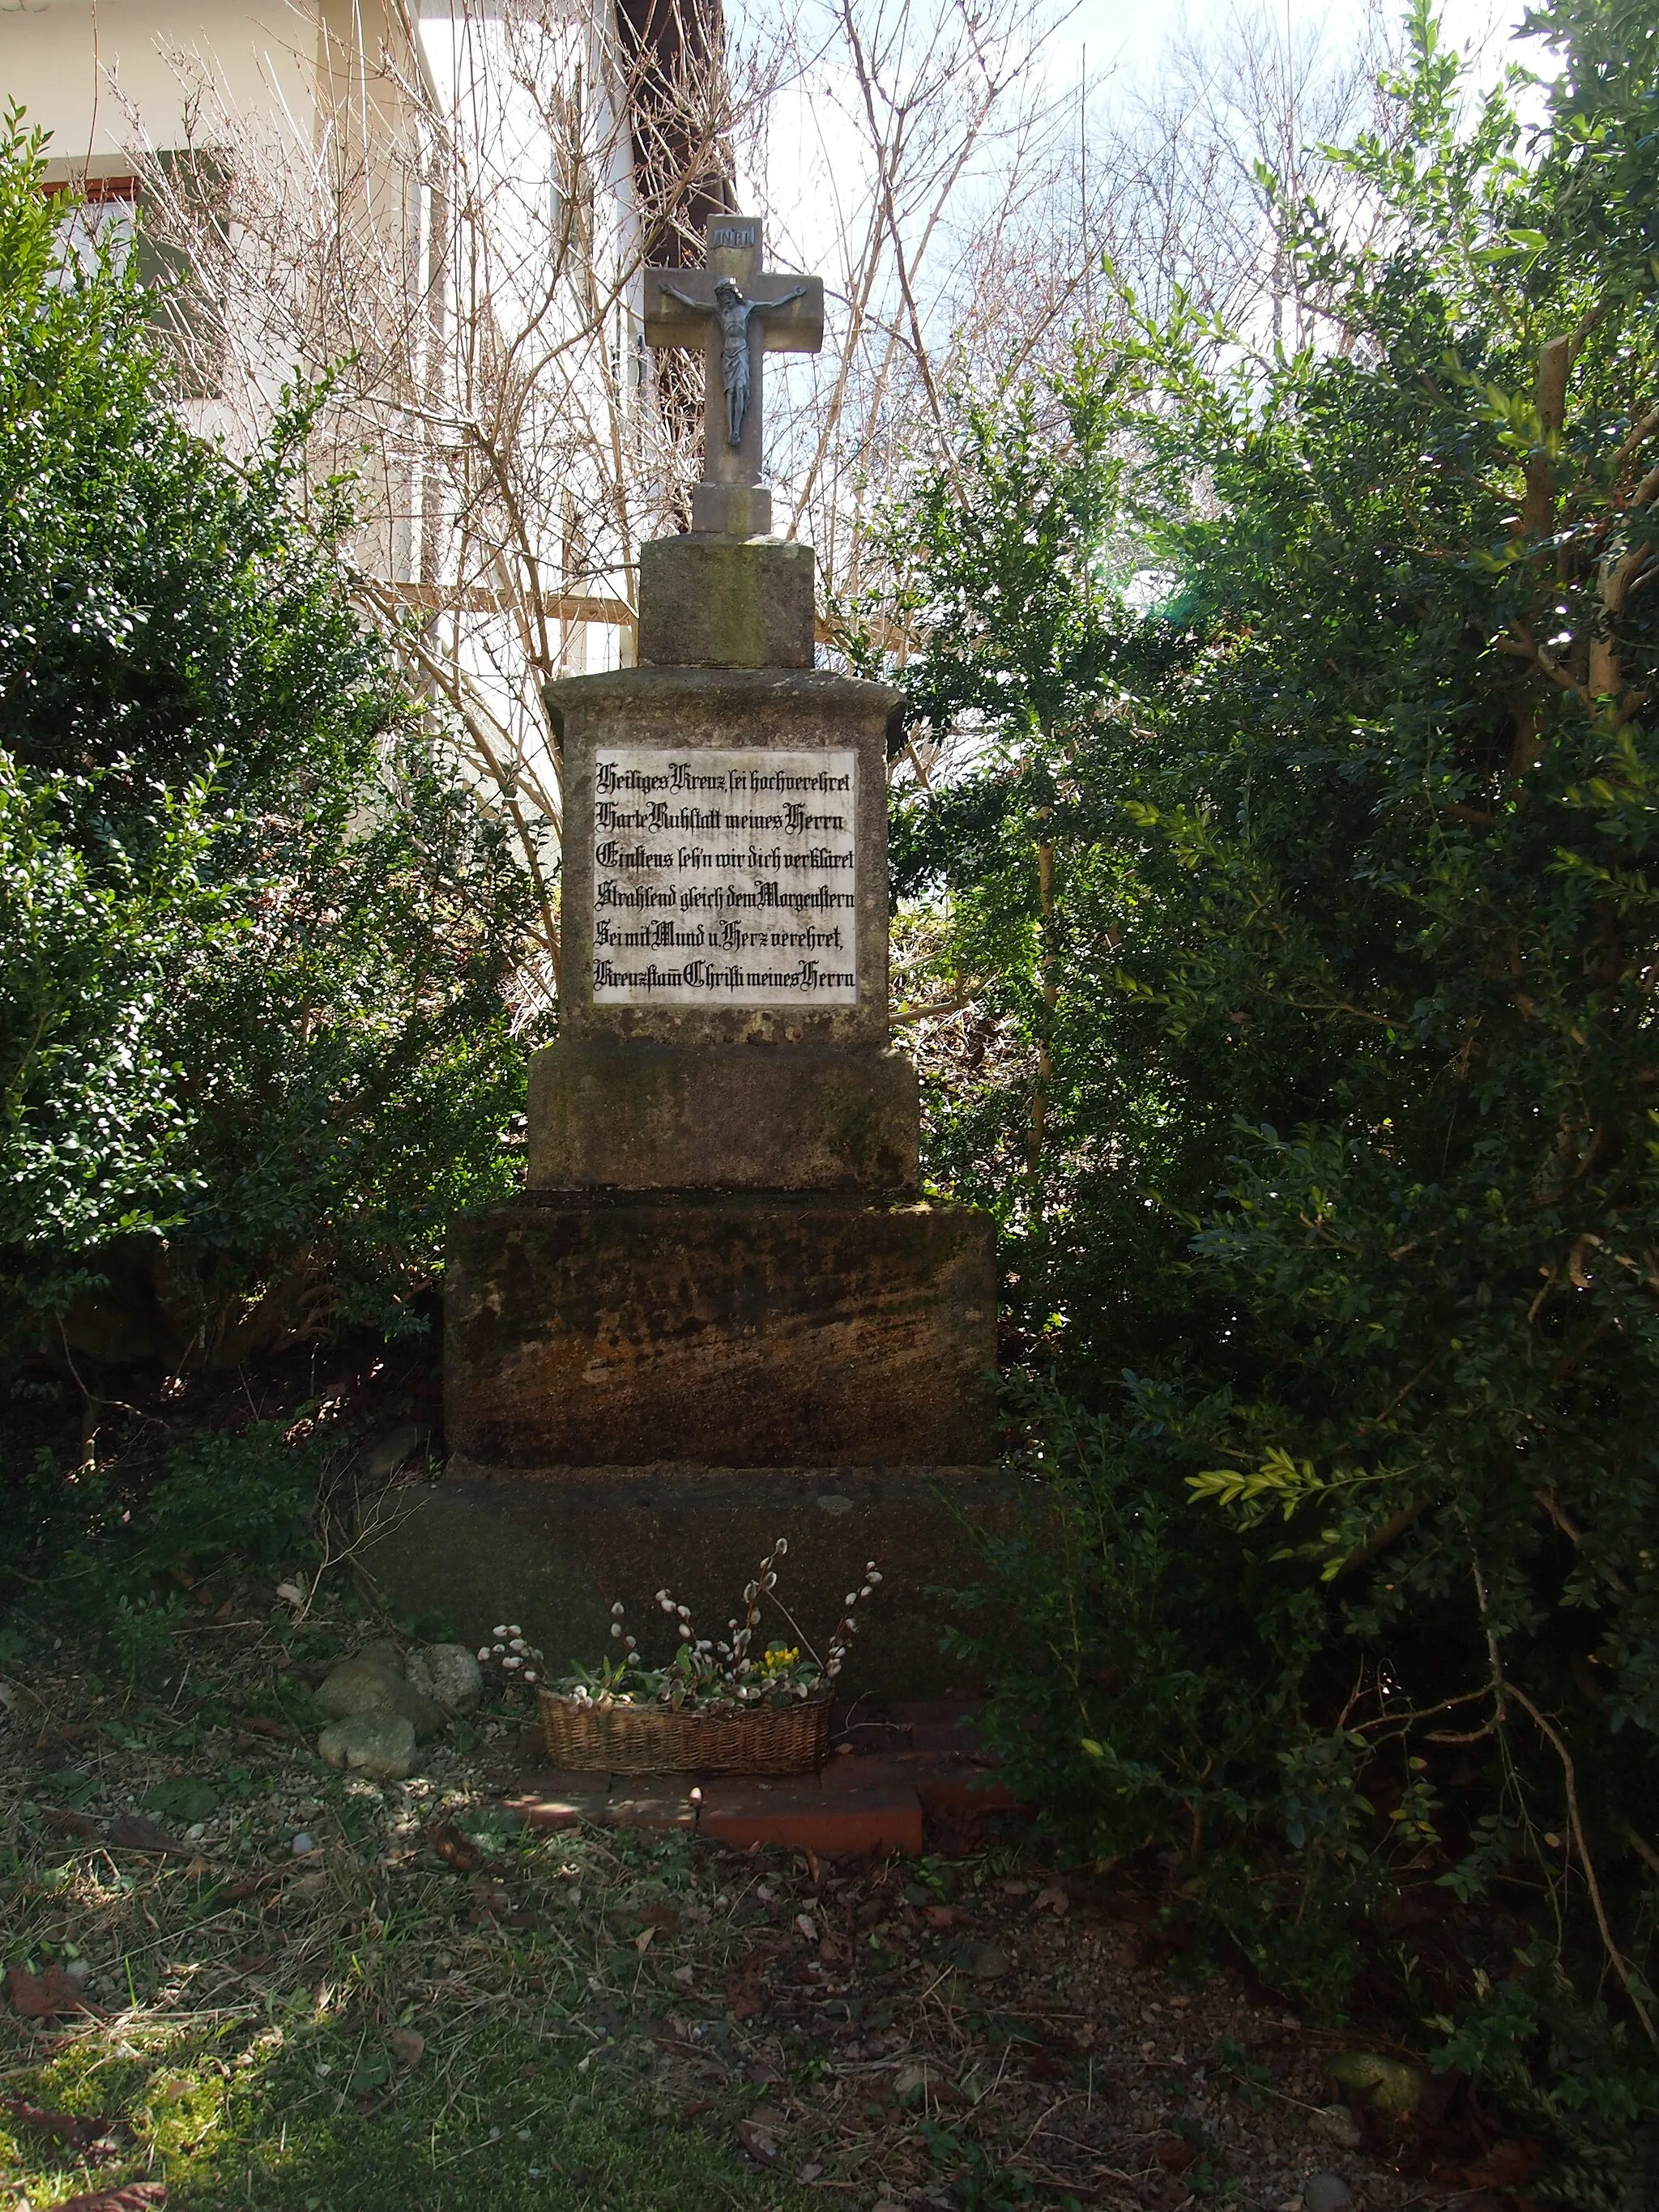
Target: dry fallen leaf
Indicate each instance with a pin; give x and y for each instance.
(409, 2044)
(936, 2089)
(942, 1915)
(1506, 2165)
(64, 1823)
(79, 2132)
(1052, 1899)
(131, 2196)
(43, 1996)
(457, 1849)
(642, 1940)
(262, 1724)
(133, 1831)
(761, 2143)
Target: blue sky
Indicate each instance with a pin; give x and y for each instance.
(1129, 35)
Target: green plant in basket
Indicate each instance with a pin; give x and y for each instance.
(706, 1671)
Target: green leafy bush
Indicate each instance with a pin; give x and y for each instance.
(113, 1559)
(1305, 895)
(254, 936)
(246, 1497)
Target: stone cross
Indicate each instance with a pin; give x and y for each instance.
(733, 310)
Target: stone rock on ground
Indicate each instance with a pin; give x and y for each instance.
(1326, 2192)
(372, 1683)
(378, 1744)
(1392, 2085)
(984, 1962)
(1335, 2124)
(448, 1674)
(387, 1453)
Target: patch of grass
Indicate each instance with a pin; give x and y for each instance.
(274, 2122)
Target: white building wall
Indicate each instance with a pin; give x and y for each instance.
(113, 84)
(82, 73)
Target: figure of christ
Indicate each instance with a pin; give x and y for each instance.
(734, 311)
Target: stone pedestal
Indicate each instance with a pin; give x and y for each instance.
(637, 1117)
(720, 1312)
(710, 601)
(556, 1547)
(728, 1329)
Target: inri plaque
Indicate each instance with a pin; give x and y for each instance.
(724, 878)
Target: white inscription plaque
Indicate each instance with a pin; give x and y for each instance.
(724, 878)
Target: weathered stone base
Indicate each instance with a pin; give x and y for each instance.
(726, 602)
(719, 1329)
(665, 1117)
(731, 510)
(554, 1548)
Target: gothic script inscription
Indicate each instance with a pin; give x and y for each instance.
(724, 878)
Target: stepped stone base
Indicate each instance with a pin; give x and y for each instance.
(555, 1547)
(719, 1329)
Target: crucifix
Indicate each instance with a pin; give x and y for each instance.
(733, 309)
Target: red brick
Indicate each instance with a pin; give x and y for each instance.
(955, 1781)
(940, 1727)
(558, 1799)
(963, 1788)
(865, 1737)
(867, 1771)
(934, 1712)
(651, 1801)
(947, 1739)
(838, 1823)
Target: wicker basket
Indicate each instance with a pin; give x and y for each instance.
(790, 1739)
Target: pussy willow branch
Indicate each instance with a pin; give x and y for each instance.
(1620, 1964)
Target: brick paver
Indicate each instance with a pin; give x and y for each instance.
(871, 1795)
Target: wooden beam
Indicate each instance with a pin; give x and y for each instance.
(578, 606)
(563, 606)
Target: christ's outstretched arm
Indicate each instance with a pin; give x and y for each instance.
(697, 306)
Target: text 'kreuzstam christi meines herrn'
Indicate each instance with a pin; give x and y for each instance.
(723, 877)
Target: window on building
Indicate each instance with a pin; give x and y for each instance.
(122, 215)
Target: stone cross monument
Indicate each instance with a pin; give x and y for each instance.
(734, 312)
(720, 1311)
